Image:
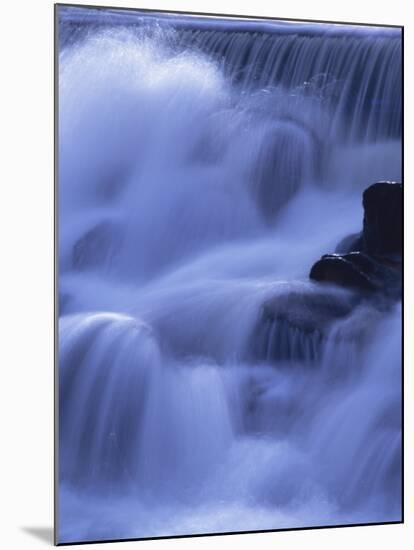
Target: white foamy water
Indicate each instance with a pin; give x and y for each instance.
(201, 174)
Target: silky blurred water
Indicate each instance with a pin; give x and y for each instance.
(202, 171)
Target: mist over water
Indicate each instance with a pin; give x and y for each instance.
(202, 171)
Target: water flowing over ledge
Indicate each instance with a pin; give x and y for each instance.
(206, 384)
(355, 70)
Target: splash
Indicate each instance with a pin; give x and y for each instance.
(201, 173)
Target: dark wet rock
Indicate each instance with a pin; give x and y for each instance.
(309, 309)
(336, 268)
(382, 232)
(97, 246)
(293, 325)
(382, 226)
(370, 261)
(359, 271)
(350, 243)
(284, 156)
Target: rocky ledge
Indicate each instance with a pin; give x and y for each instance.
(365, 269)
(370, 261)
(294, 323)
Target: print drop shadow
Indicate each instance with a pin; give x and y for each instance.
(44, 534)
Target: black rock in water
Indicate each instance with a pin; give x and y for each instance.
(370, 261)
(350, 243)
(336, 268)
(359, 271)
(382, 228)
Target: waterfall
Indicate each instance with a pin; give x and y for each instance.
(355, 73)
(359, 75)
(206, 384)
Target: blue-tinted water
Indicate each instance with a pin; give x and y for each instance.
(202, 170)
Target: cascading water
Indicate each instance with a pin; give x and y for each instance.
(202, 170)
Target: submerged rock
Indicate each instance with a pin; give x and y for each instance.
(97, 246)
(293, 325)
(287, 153)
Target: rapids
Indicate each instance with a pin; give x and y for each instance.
(203, 167)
